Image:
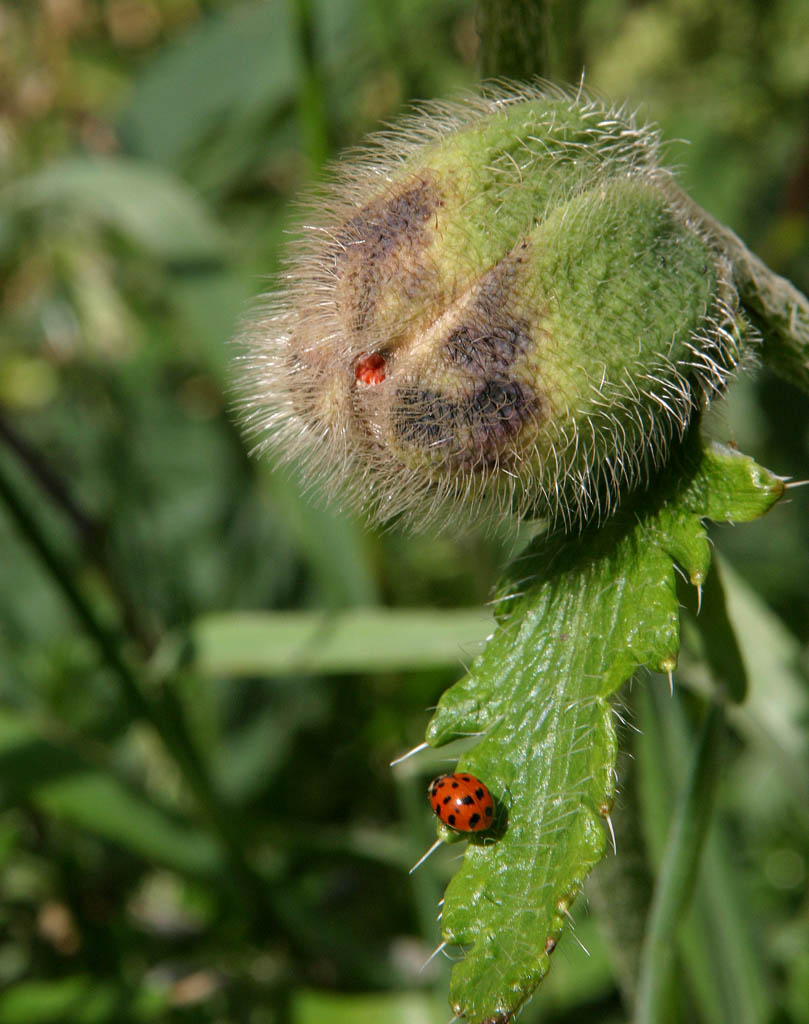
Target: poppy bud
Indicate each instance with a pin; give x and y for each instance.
(497, 308)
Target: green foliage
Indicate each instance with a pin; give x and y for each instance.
(583, 615)
(237, 849)
(147, 206)
(225, 77)
(55, 778)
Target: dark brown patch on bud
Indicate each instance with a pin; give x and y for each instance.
(470, 432)
(378, 248)
(491, 337)
(422, 417)
(481, 353)
(483, 403)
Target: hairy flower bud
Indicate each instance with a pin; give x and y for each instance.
(497, 308)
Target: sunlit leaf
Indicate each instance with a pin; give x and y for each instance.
(577, 617)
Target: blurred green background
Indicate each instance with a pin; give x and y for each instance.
(198, 821)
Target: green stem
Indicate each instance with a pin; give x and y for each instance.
(775, 305)
(679, 870)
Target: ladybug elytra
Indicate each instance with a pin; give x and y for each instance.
(462, 802)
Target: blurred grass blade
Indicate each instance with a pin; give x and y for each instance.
(101, 805)
(336, 546)
(311, 97)
(677, 876)
(77, 999)
(312, 1007)
(773, 716)
(777, 706)
(720, 644)
(225, 70)
(356, 640)
(59, 782)
(148, 206)
(718, 943)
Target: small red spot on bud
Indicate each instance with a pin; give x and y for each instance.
(371, 369)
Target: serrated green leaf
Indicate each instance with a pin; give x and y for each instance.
(150, 207)
(578, 616)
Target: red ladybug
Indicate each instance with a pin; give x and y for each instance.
(462, 802)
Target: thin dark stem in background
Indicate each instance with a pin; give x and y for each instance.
(91, 533)
(524, 38)
(311, 95)
(87, 528)
(162, 711)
